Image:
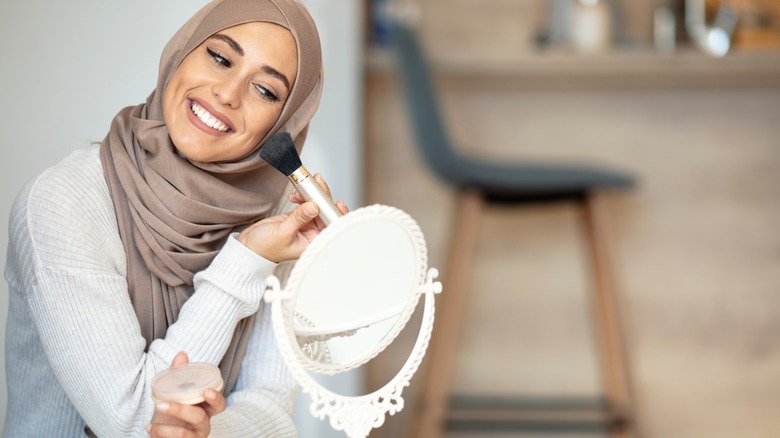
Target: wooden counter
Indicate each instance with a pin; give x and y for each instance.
(614, 70)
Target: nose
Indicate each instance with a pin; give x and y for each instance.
(227, 92)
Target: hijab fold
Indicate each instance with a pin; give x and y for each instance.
(174, 214)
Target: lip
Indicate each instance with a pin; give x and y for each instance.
(202, 126)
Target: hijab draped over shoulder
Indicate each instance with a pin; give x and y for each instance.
(174, 214)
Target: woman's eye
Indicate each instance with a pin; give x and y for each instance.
(267, 94)
(219, 59)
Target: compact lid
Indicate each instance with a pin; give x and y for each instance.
(186, 383)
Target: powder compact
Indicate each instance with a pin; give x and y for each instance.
(186, 383)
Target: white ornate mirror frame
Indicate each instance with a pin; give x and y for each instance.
(355, 415)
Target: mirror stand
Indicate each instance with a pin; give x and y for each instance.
(355, 415)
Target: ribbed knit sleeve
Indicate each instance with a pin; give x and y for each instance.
(66, 268)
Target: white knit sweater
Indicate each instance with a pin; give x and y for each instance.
(74, 351)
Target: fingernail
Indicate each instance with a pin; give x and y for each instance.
(310, 209)
(163, 407)
(148, 428)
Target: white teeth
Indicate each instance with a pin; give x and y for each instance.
(207, 118)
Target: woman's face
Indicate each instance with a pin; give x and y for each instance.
(229, 91)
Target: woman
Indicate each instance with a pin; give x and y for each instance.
(158, 242)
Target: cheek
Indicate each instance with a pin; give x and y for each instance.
(260, 122)
(169, 105)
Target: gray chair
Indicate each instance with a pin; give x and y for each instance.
(477, 182)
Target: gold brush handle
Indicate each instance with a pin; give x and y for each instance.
(310, 189)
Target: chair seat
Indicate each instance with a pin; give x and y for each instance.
(518, 182)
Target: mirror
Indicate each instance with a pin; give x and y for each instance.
(345, 300)
(356, 287)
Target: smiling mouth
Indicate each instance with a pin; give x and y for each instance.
(208, 119)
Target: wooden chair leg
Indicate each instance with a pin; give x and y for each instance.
(442, 351)
(614, 360)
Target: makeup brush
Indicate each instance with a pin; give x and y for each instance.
(279, 151)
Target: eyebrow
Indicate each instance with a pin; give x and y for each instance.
(240, 50)
(277, 74)
(231, 42)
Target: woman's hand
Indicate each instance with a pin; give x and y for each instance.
(285, 236)
(173, 419)
(298, 199)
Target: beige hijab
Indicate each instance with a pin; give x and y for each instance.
(174, 214)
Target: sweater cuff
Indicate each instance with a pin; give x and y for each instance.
(238, 271)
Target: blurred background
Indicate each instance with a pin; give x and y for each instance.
(683, 95)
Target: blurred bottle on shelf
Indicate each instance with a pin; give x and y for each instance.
(583, 26)
(714, 39)
(591, 26)
(665, 30)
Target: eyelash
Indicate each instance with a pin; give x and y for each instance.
(265, 93)
(219, 59)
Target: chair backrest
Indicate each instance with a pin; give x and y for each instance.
(422, 105)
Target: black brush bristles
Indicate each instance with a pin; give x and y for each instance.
(279, 151)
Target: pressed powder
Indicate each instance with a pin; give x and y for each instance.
(186, 383)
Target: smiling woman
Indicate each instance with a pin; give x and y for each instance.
(231, 88)
(123, 259)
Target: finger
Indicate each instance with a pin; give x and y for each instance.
(302, 215)
(342, 207)
(310, 232)
(296, 198)
(214, 403)
(195, 416)
(323, 184)
(167, 431)
(166, 426)
(181, 358)
(319, 225)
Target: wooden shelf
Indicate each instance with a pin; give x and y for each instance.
(614, 70)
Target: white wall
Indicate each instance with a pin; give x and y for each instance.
(68, 67)
(334, 144)
(334, 149)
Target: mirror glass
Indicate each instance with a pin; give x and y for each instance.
(355, 288)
